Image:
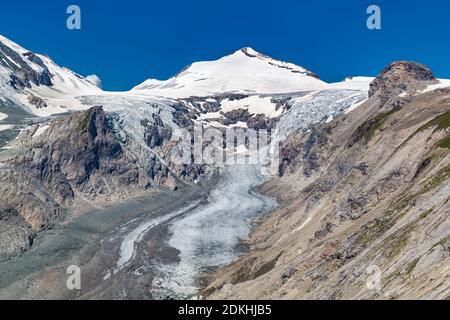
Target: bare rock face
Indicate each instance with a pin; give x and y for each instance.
(15, 234)
(400, 78)
(305, 148)
(80, 154)
(156, 134)
(75, 157)
(232, 117)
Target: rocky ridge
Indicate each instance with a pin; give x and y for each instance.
(77, 160)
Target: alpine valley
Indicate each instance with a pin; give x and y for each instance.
(88, 179)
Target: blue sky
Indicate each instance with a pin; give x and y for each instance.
(126, 42)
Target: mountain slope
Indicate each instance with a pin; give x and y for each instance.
(364, 203)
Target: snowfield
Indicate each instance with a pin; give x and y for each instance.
(443, 83)
(353, 83)
(59, 98)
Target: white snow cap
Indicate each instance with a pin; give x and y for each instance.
(244, 71)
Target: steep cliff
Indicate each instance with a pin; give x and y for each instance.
(75, 160)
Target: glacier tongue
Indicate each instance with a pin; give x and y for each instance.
(208, 236)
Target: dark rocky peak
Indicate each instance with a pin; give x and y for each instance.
(400, 79)
(249, 52)
(21, 66)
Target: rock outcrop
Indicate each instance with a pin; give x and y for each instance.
(400, 79)
(80, 158)
(23, 75)
(78, 154)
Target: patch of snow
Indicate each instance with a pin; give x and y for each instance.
(355, 105)
(4, 127)
(40, 130)
(239, 124)
(11, 61)
(3, 116)
(8, 147)
(7, 92)
(127, 247)
(215, 124)
(353, 83)
(210, 115)
(443, 83)
(329, 119)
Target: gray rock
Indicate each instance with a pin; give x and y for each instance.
(22, 74)
(397, 78)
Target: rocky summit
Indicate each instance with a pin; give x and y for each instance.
(400, 79)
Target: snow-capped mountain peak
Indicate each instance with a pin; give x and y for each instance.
(37, 83)
(14, 46)
(249, 52)
(244, 71)
(243, 80)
